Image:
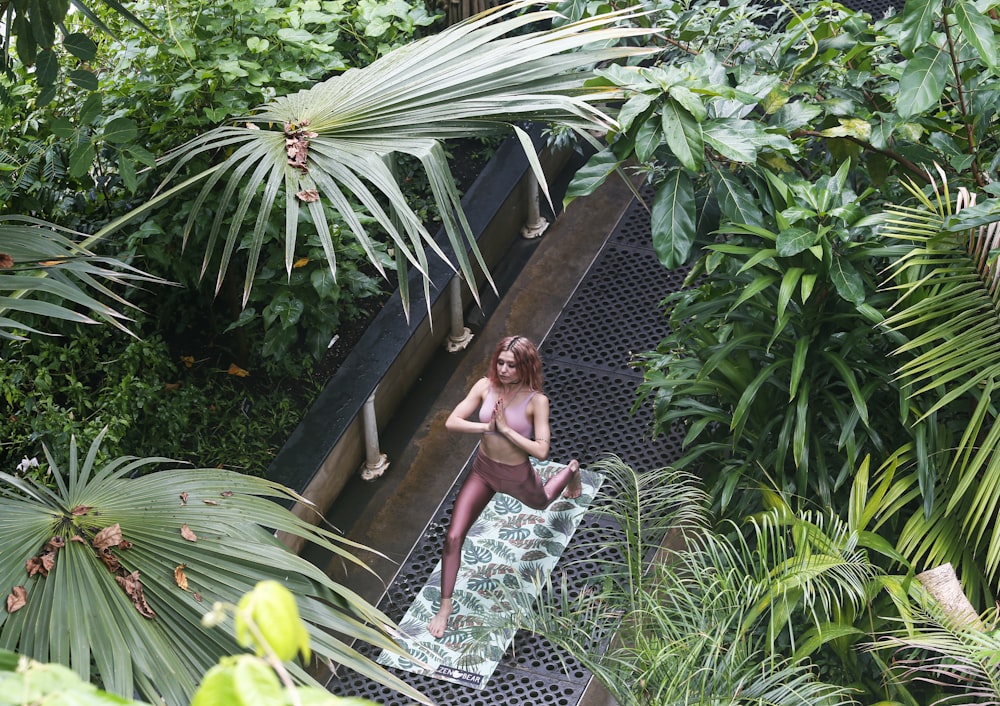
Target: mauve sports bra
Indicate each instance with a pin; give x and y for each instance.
(516, 415)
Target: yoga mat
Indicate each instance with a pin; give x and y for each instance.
(507, 556)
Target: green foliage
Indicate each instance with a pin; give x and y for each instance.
(24, 682)
(769, 610)
(267, 619)
(111, 573)
(82, 156)
(148, 401)
(771, 368)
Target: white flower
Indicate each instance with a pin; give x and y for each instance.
(27, 463)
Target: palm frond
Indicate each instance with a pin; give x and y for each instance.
(962, 662)
(948, 305)
(330, 147)
(675, 631)
(127, 610)
(49, 275)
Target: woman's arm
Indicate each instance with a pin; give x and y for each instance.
(459, 420)
(538, 409)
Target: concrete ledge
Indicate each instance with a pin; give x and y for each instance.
(328, 446)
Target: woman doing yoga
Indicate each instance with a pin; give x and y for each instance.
(512, 415)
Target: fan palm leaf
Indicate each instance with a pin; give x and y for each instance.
(947, 305)
(115, 573)
(47, 274)
(331, 147)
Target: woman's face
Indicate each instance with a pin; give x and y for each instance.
(507, 368)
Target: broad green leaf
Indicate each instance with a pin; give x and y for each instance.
(87, 80)
(126, 170)
(81, 46)
(120, 130)
(673, 219)
(735, 201)
(847, 280)
(257, 684)
(594, 173)
(732, 138)
(923, 81)
(792, 116)
(91, 109)
(46, 67)
(977, 28)
(81, 158)
(689, 100)
(917, 23)
(62, 127)
(792, 241)
(633, 108)
(647, 139)
(683, 136)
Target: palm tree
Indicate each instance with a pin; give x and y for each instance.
(331, 148)
(43, 267)
(947, 308)
(111, 573)
(959, 661)
(698, 618)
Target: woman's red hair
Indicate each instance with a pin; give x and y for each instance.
(526, 358)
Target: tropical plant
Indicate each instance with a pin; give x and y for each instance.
(946, 305)
(43, 267)
(960, 663)
(768, 611)
(329, 149)
(266, 619)
(111, 573)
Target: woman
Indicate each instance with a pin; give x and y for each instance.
(513, 418)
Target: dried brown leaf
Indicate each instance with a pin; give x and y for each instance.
(308, 195)
(184, 498)
(197, 596)
(188, 534)
(34, 566)
(133, 589)
(227, 493)
(180, 577)
(81, 510)
(17, 599)
(108, 537)
(109, 559)
(210, 502)
(78, 539)
(54, 544)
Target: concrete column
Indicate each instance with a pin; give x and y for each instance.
(535, 224)
(376, 462)
(460, 335)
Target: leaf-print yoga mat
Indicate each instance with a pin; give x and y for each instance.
(509, 553)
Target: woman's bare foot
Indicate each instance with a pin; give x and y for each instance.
(439, 623)
(574, 488)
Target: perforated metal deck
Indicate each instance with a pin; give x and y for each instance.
(613, 314)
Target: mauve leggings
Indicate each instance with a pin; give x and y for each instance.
(489, 477)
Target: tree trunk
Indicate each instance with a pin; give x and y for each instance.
(944, 586)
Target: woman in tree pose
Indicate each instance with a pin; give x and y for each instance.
(512, 415)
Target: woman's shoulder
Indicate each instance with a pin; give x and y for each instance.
(481, 386)
(538, 397)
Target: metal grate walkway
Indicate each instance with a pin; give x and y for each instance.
(614, 313)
